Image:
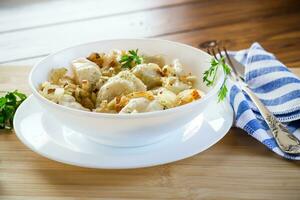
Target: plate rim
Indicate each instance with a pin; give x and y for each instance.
(80, 164)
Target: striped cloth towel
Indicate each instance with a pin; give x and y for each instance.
(276, 86)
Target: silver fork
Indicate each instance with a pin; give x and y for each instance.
(287, 142)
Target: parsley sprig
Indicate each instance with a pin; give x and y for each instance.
(8, 106)
(131, 59)
(210, 76)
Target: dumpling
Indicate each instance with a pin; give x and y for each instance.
(157, 59)
(69, 101)
(115, 87)
(149, 73)
(173, 84)
(86, 70)
(178, 68)
(48, 91)
(154, 106)
(139, 86)
(136, 105)
(123, 83)
(188, 96)
(167, 70)
(166, 97)
(139, 105)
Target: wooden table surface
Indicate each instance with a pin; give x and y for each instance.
(237, 167)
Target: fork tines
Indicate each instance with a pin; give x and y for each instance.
(216, 49)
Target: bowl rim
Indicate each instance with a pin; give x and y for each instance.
(213, 90)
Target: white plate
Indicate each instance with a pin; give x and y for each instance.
(48, 137)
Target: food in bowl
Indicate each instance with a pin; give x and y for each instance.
(129, 130)
(121, 82)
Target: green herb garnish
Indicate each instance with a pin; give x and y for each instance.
(131, 59)
(210, 76)
(8, 106)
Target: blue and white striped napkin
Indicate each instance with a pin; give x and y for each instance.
(277, 88)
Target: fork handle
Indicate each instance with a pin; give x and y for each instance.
(284, 139)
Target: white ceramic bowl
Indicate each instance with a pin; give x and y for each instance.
(127, 130)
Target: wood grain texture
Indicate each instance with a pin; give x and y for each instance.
(238, 167)
(36, 14)
(153, 23)
(281, 38)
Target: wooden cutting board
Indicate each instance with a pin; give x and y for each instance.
(238, 167)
